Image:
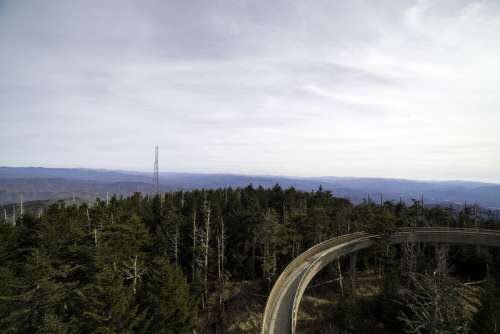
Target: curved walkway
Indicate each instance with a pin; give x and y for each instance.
(280, 315)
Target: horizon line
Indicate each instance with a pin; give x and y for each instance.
(268, 175)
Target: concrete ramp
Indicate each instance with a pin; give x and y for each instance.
(281, 313)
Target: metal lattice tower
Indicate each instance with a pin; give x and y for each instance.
(156, 186)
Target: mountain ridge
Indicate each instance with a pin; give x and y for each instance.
(39, 183)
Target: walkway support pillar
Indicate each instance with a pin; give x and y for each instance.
(441, 253)
(352, 270)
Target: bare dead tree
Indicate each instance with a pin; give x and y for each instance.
(331, 329)
(221, 245)
(21, 207)
(156, 186)
(161, 204)
(205, 248)
(95, 236)
(442, 260)
(268, 233)
(254, 252)
(341, 279)
(132, 271)
(409, 260)
(296, 249)
(194, 249)
(434, 305)
(88, 218)
(284, 212)
(14, 215)
(89, 226)
(173, 240)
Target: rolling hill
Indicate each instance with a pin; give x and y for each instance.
(37, 183)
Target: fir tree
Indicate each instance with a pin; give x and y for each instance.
(170, 309)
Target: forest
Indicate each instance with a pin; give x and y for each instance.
(204, 261)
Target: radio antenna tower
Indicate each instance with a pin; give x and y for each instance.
(155, 176)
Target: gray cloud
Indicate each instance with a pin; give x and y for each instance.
(393, 88)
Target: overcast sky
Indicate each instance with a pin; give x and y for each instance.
(407, 89)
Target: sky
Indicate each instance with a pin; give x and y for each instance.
(404, 89)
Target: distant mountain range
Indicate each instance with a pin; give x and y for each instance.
(37, 183)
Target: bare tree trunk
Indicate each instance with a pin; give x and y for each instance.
(476, 226)
(341, 279)
(135, 275)
(274, 259)
(284, 213)
(206, 246)
(193, 263)
(88, 219)
(434, 319)
(133, 272)
(95, 236)
(352, 271)
(441, 259)
(22, 208)
(161, 205)
(254, 246)
(174, 244)
(221, 245)
(410, 259)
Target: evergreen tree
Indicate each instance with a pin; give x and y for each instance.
(108, 306)
(169, 308)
